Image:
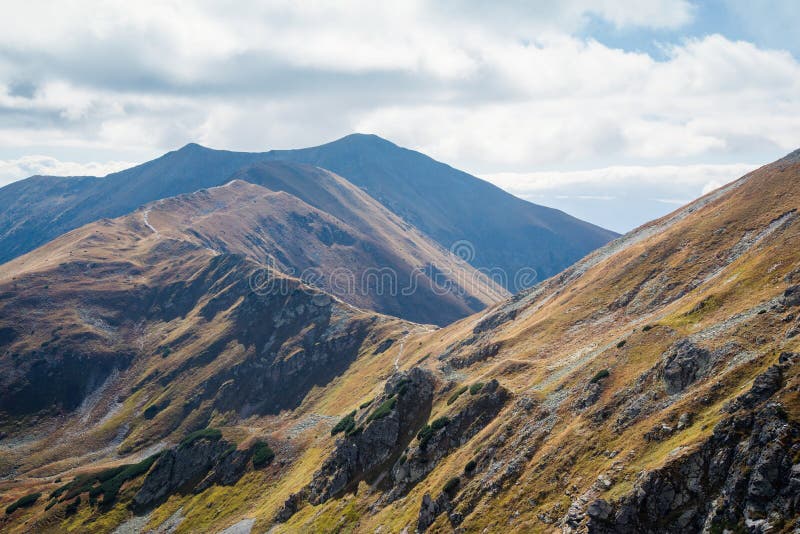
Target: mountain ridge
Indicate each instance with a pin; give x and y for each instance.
(467, 211)
(653, 386)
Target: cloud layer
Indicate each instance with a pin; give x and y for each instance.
(11, 170)
(622, 197)
(500, 87)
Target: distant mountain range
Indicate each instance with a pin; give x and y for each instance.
(496, 230)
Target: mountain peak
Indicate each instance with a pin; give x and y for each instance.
(363, 139)
(193, 147)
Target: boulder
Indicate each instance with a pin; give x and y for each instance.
(430, 509)
(685, 363)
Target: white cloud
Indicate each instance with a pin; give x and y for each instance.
(692, 179)
(506, 87)
(489, 87)
(12, 170)
(620, 197)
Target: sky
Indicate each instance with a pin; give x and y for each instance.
(616, 111)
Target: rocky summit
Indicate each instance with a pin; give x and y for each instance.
(158, 376)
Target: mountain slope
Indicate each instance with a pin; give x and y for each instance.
(504, 233)
(365, 256)
(631, 371)
(365, 243)
(654, 386)
(39, 209)
(122, 337)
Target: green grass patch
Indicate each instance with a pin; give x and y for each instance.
(345, 424)
(451, 485)
(25, 501)
(402, 386)
(106, 482)
(110, 488)
(600, 375)
(355, 431)
(440, 422)
(426, 432)
(72, 508)
(424, 436)
(456, 394)
(262, 454)
(211, 434)
(383, 410)
(470, 467)
(151, 411)
(475, 388)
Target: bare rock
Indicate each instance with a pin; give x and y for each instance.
(743, 471)
(685, 363)
(471, 415)
(372, 446)
(191, 467)
(599, 510)
(590, 395)
(791, 297)
(430, 509)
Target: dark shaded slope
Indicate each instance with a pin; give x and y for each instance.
(450, 205)
(32, 211)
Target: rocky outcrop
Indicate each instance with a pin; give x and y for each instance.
(226, 471)
(290, 506)
(299, 340)
(685, 363)
(496, 466)
(791, 297)
(472, 413)
(479, 354)
(379, 436)
(764, 386)
(191, 468)
(430, 509)
(589, 396)
(494, 320)
(743, 476)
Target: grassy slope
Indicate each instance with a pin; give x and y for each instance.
(725, 251)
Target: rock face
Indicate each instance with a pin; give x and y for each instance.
(745, 474)
(430, 509)
(684, 364)
(191, 468)
(300, 340)
(791, 297)
(472, 413)
(764, 386)
(374, 443)
(591, 393)
(381, 438)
